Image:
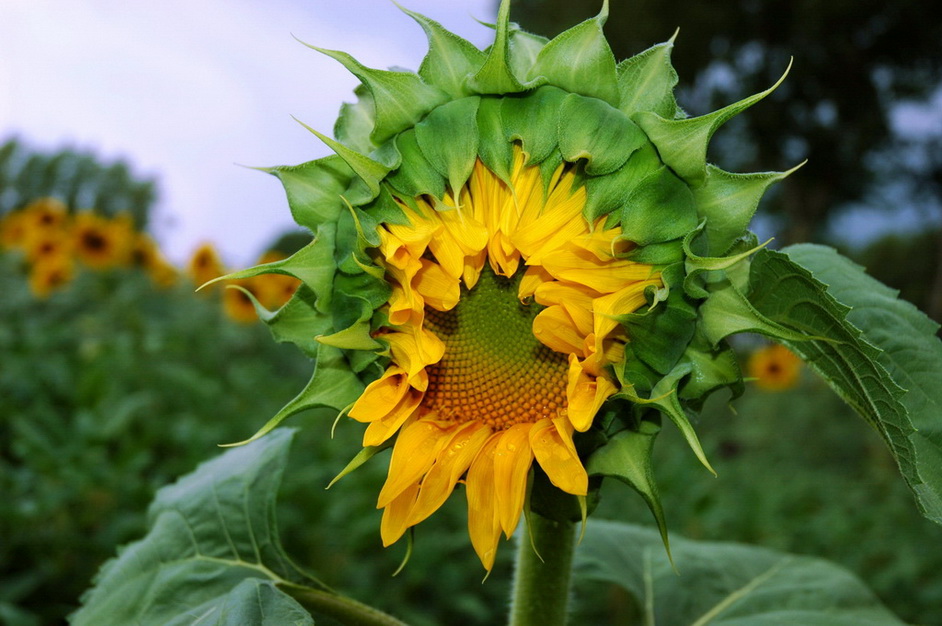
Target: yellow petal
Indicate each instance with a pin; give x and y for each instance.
(556, 292)
(577, 265)
(380, 396)
(554, 328)
(381, 430)
(395, 515)
(534, 278)
(557, 456)
(413, 348)
(626, 300)
(512, 460)
(452, 462)
(439, 290)
(585, 394)
(415, 451)
(483, 522)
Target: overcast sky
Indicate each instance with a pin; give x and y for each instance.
(185, 90)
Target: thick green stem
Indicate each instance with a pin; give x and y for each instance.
(345, 610)
(541, 586)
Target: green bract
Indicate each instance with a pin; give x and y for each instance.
(643, 163)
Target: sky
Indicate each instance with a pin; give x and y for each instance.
(188, 92)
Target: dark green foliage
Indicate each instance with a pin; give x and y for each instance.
(109, 389)
(797, 473)
(77, 178)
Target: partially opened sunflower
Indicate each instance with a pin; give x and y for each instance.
(510, 249)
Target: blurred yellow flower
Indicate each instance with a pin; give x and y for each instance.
(237, 305)
(50, 273)
(100, 242)
(273, 290)
(774, 368)
(205, 265)
(45, 213)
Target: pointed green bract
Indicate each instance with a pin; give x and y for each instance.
(496, 75)
(448, 138)
(450, 61)
(370, 172)
(314, 189)
(580, 60)
(610, 192)
(524, 48)
(356, 121)
(728, 201)
(682, 143)
(495, 150)
(400, 99)
(660, 208)
(627, 457)
(646, 82)
(415, 175)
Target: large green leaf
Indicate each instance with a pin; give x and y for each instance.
(724, 583)
(789, 295)
(211, 554)
(910, 352)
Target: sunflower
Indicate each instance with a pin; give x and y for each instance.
(46, 213)
(500, 337)
(49, 273)
(100, 242)
(774, 368)
(47, 242)
(205, 265)
(521, 262)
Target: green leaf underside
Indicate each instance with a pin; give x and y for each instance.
(787, 303)
(910, 352)
(724, 584)
(211, 554)
(593, 130)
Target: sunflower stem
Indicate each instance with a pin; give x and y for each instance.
(541, 585)
(345, 610)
